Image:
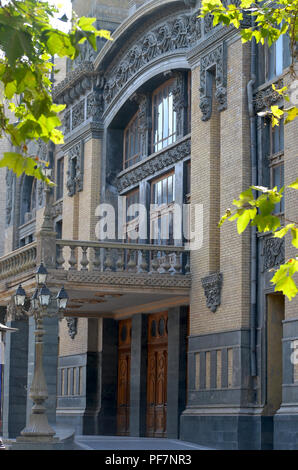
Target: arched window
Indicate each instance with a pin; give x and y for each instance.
(163, 116)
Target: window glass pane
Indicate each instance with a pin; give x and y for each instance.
(281, 136)
(271, 62)
(159, 120)
(170, 189)
(171, 122)
(279, 55)
(164, 191)
(276, 177)
(166, 118)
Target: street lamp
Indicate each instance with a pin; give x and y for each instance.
(38, 428)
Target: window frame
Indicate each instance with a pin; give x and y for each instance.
(173, 136)
(131, 225)
(136, 157)
(164, 209)
(276, 160)
(60, 178)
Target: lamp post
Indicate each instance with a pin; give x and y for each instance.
(38, 428)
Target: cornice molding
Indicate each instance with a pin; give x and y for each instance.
(153, 164)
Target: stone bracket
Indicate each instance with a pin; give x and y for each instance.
(212, 287)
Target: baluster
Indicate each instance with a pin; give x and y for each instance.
(154, 263)
(84, 260)
(96, 262)
(132, 262)
(120, 260)
(72, 260)
(187, 265)
(108, 263)
(177, 265)
(166, 265)
(59, 259)
(143, 264)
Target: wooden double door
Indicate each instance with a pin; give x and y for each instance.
(156, 415)
(123, 395)
(156, 404)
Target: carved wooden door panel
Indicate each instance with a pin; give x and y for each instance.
(123, 395)
(157, 375)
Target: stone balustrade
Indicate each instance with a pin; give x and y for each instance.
(18, 261)
(121, 257)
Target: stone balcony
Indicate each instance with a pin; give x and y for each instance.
(101, 277)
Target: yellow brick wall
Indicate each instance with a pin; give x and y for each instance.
(79, 224)
(216, 193)
(291, 196)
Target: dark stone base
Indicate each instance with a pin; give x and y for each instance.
(228, 432)
(286, 432)
(73, 421)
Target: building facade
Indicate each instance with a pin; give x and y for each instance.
(173, 328)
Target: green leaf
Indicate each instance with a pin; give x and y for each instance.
(291, 114)
(244, 219)
(294, 185)
(294, 232)
(283, 279)
(281, 233)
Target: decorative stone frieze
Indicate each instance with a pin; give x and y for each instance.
(78, 114)
(214, 64)
(75, 171)
(212, 288)
(178, 33)
(156, 163)
(266, 97)
(273, 252)
(94, 106)
(131, 279)
(72, 324)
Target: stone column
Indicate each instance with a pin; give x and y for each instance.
(107, 418)
(176, 386)
(15, 379)
(138, 375)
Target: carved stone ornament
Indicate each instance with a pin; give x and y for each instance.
(95, 106)
(273, 252)
(212, 287)
(75, 171)
(177, 33)
(78, 114)
(150, 167)
(76, 83)
(179, 102)
(72, 324)
(267, 97)
(214, 64)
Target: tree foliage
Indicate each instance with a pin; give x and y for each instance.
(28, 42)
